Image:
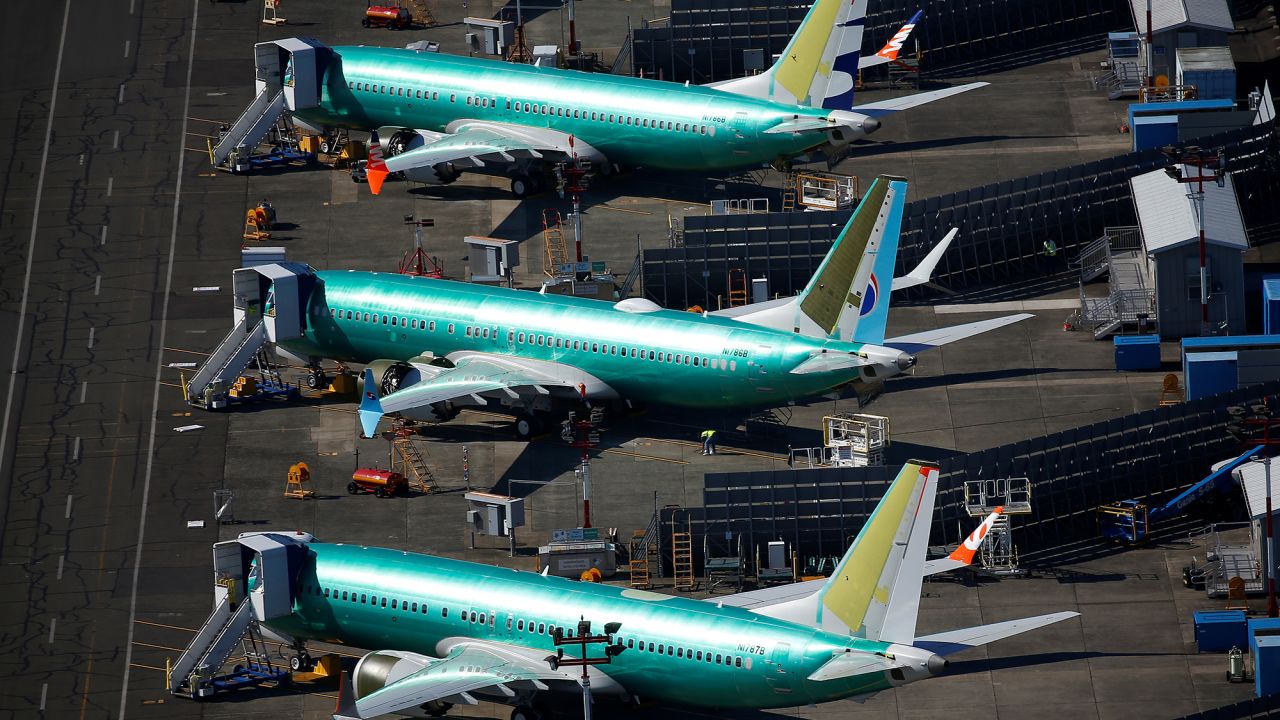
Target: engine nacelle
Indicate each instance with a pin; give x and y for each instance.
(393, 375)
(402, 141)
(379, 669)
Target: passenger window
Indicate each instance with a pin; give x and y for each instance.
(468, 99)
(733, 366)
(509, 622)
(393, 603)
(424, 608)
(511, 336)
(521, 337)
(363, 598)
(444, 612)
(393, 321)
(695, 362)
(413, 323)
(384, 319)
(520, 625)
(468, 331)
(366, 317)
(435, 95)
(737, 662)
(431, 326)
(486, 333)
(668, 357)
(650, 354)
(453, 97)
(575, 344)
(542, 628)
(344, 594)
(557, 342)
(326, 592)
(595, 347)
(450, 328)
(650, 647)
(415, 608)
(348, 314)
(699, 655)
(404, 322)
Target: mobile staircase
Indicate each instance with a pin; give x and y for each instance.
(270, 302)
(288, 77)
(1120, 255)
(253, 582)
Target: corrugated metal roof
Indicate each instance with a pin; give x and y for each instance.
(1206, 58)
(1168, 14)
(1252, 477)
(1169, 218)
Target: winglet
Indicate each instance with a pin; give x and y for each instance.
(376, 169)
(969, 548)
(345, 707)
(370, 405)
(925, 269)
(894, 46)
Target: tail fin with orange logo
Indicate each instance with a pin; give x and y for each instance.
(889, 53)
(963, 555)
(376, 169)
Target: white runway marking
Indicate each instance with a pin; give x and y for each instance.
(84, 390)
(44, 694)
(91, 331)
(53, 625)
(31, 243)
(97, 284)
(126, 48)
(75, 455)
(155, 395)
(62, 560)
(102, 239)
(115, 145)
(110, 181)
(120, 96)
(69, 502)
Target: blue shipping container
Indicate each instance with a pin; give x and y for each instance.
(1153, 131)
(1209, 373)
(1271, 306)
(1266, 666)
(1137, 352)
(1221, 630)
(1262, 627)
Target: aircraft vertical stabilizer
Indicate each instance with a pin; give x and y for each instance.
(861, 595)
(820, 63)
(848, 297)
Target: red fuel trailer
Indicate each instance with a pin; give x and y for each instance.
(382, 483)
(391, 17)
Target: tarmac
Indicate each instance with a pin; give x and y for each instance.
(110, 218)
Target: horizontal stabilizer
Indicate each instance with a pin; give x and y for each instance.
(800, 124)
(888, 107)
(954, 641)
(829, 362)
(925, 269)
(930, 339)
(370, 406)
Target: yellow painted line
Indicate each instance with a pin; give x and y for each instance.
(147, 667)
(189, 352)
(607, 206)
(158, 647)
(644, 457)
(171, 627)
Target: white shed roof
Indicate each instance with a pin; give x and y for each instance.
(1170, 219)
(1252, 477)
(1169, 14)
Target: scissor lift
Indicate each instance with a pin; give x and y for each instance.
(998, 554)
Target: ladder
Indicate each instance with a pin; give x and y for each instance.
(556, 252)
(251, 127)
(414, 466)
(639, 560)
(789, 192)
(737, 287)
(682, 561)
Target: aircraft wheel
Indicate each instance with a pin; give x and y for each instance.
(316, 380)
(301, 662)
(526, 426)
(524, 712)
(352, 488)
(379, 492)
(521, 186)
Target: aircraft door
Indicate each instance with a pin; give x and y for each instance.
(757, 364)
(741, 137)
(777, 673)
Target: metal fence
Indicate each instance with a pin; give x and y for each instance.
(1151, 455)
(703, 40)
(1004, 227)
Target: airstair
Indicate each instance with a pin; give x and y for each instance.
(289, 74)
(253, 583)
(413, 466)
(1130, 300)
(555, 249)
(270, 302)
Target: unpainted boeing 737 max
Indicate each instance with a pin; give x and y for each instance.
(434, 346)
(453, 632)
(445, 114)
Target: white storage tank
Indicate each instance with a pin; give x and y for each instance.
(1210, 69)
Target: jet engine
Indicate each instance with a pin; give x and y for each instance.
(393, 375)
(403, 141)
(380, 669)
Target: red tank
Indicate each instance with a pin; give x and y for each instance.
(382, 483)
(388, 16)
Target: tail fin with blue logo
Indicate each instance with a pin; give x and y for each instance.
(820, 64)
(848, 297)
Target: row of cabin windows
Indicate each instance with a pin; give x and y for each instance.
(548, 341)
(538, 109)
(688, 653)
(372, 600)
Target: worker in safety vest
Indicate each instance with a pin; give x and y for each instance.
(708, 442)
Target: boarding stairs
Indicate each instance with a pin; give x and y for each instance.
(249, 588)
(638, 560)
(249, 129)
(1124, 78)
(239, 348)
(555, 249)
(632, 276)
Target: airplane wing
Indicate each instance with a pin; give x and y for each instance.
(930, 339)
(474, 375)
(475, 143)
(488, 669)
(924, 270)
(887, 107)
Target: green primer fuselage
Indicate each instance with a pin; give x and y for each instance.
(698, 361)
(465, 88)
(702, 644)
